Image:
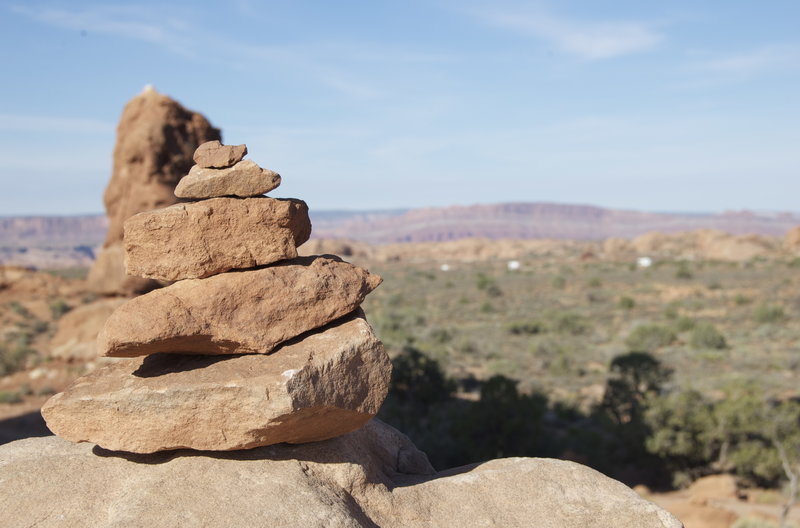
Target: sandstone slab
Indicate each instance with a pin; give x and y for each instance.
(239, 312)
(326, 384)
(371, 477)
(244, 179)
(200, 239)
(213, 154)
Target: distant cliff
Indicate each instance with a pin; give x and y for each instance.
(536, 220)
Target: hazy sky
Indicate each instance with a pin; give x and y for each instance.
(670, 106)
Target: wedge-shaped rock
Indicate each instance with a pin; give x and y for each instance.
(195, 240)
(238, 312)
(243, 179)
(324, 385)
(215, 154)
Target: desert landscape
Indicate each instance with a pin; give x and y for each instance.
(419, 264)
(666, 360)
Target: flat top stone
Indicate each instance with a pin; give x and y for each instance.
(244, 179)
(215, 154)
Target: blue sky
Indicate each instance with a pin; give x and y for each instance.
(659, 106)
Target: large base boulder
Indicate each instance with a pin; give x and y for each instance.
(371, 477)
(324, 385)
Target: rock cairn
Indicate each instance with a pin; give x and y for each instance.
(251, 346)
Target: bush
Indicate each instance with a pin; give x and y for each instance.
(489, 285)
(595, 282)
(59, 308)
(650, 337)
(526, 328)
(684, 323)
(627, 303)
(559, 283)
(570, 323)
(10, 397)
(683, 271)
(20, 310)
(741, 300)
(681, 427)
(706, 335)
(766, 314)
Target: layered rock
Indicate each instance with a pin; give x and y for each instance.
(323, 385)
(156, 138)
(244, 179)
(196, 240)
(241, 312)
(371, 477)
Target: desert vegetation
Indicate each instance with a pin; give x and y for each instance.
(657, 375)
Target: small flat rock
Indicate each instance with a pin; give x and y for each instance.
(200, 239)
(240, 312)
(243, 179)
(215, 154)
(324, 385)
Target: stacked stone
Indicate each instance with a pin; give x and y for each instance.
(251, 346)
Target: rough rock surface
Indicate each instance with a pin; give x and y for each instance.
(243, 179)
(237, 312)
(76, 334)
(371, 477)
(156, 138)
(213, 154)
(324, 385)
(107, 275)
(196, 240)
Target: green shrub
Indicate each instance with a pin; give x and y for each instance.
(741, 300)
(595, 282)
(59, 308)
(751, 522)
(20, 310)
(559, 283)
(683, 271)
(766, 314)
(684, 323)
(570, 323)
(650, 337)
(489, 285)
(706, 335)
(627, 303)
(526, 328)
(671, 310)
(10, 397)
